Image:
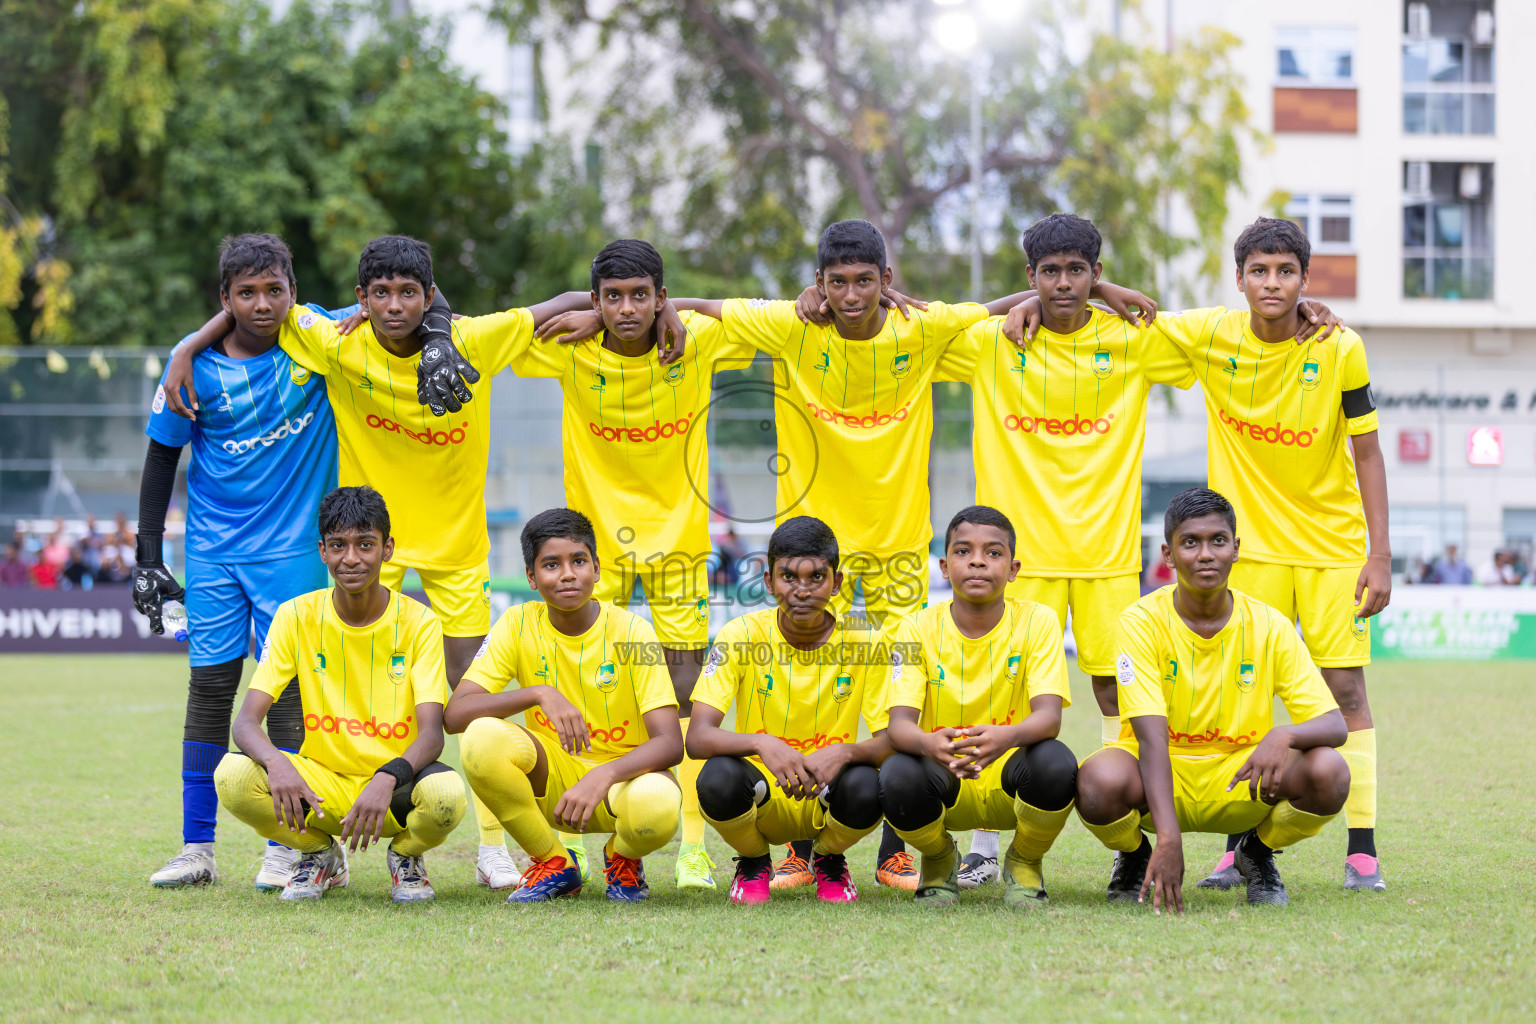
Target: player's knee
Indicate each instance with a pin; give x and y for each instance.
(487, 742)
(211, 702)
(438, 792)
(912, 790)
(236, 778)
(1329, 774)
(1100, 788)
(654, 804)
(854, 796)
(1043, 775)
(727, 788)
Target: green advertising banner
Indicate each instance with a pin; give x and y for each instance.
(1472, 633)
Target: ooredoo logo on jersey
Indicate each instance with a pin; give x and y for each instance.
(1270, 433)
(454, 435)
(657, 431)
(289, 428)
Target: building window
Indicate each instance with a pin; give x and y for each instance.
(1327, 220)
(1448, 68)
(1447, 231)
(1315, 56)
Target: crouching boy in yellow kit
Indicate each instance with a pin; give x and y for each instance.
(369, 666)
(603, 729)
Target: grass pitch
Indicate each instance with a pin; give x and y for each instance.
(91, 752)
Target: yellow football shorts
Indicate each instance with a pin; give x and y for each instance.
(894, 585)
(983, 803)
(1096, 605)
(460, 598)
(781, 818)
(1200, 794)
(1323, 600)
(564, 771)
(677, 589)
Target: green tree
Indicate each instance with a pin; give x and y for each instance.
(837, 108)
(142, 131)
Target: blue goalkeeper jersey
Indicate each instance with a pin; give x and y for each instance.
(263, 455)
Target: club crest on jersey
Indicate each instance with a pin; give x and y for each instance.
(607, 681)
(1245, 676)
(1103, 364)
(599, 383)
(901, 364)
(1310, 376)
(701, 609)
(298, 374)
(1358, 628)
(1012, 670)
(397, 666)
(766, 689)
(673, 375)
(843, 689)
(485, 592)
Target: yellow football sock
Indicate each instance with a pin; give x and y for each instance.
(497, 758)
(491, 832)
(1037, 829)
(1123, 835)
(437, 807)
(244, 791)
(1359, 752)
(741, 834)
(645, 813)
(1109, 729)
(931, 840)
(835, 837)
(688, 779)
(1287, 825)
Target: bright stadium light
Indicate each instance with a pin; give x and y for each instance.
(956, 31)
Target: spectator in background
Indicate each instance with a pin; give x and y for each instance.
(77, 573)
(45, 575)
(1451, 569)
(90, 544)
(116, 563)
(13, 571)
(56, 551)
(1498, 571)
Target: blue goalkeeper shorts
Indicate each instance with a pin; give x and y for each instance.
(224, 600)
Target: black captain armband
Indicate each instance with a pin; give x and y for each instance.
(1359, 402)
(400, 768)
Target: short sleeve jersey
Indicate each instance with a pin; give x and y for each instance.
(263, 455)
(1277, 420)
(614, 672)
(431, 470)
(1058, 431)
(855, 418)
(987, 680)
(360, 685)
(635, 438)
(808, 699)
(1217, 694)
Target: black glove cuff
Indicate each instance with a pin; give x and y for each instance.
(148, 550)
(400, 768)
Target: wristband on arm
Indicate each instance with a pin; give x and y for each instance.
(400, 768)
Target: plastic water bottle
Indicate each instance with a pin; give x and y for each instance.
(173, 614)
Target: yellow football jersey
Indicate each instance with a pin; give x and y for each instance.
(430, 470)
(1278, 416)
(808, 699)
(614, 672)
(1057, 437)
(987, 680)
(1217, 694)
(359, 684)
(635, 438)
(855, 418)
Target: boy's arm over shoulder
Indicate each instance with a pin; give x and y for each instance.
(764, 324)
(1162, 361)
(963, 354)
(501, 340)
(310, 338)
(1190, 330)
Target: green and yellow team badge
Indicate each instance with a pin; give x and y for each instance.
(397, 666)
(298, 374)
(607, 680)
(485, 592)
(1310, 375)
(1103, 364)
(673, 375)
(1012, 670)
(766, 687)
(843, 689)
(1245, 676)
(901, 365)
(1358, 627)
(701, 609)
